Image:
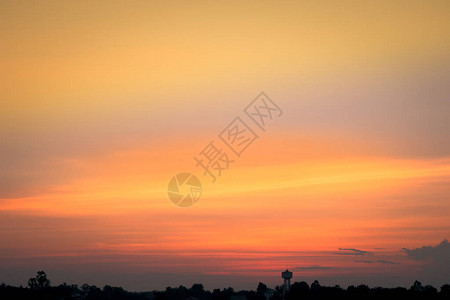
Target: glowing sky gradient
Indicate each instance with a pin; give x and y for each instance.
(103, 102)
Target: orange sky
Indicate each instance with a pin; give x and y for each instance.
(103, 102)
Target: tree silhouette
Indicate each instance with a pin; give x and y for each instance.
(32, 283)
(260, 291)
(40, 281)
(40, 289)
(197, 290)
(262, 288)
(445, 291)
(417, 286)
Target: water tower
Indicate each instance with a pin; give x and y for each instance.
(286, 275)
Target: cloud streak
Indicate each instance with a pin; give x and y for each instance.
(352, 251)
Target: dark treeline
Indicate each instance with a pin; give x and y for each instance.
(39, 288)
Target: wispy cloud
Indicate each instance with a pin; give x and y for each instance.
(352, 251)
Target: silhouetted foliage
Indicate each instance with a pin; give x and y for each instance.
(224, 294)
(445, 292)
(40, 281)
(39, 289)
(298, 290)
(262, 288)
(197, 291)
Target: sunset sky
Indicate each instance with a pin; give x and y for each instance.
(102, 103)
